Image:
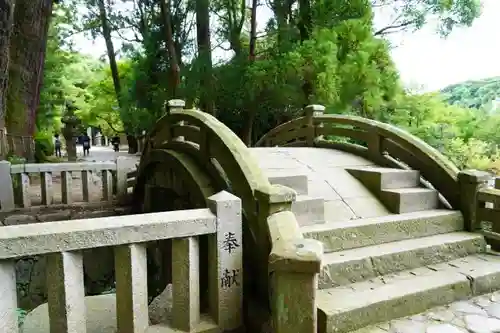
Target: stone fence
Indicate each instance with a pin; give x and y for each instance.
(63, 242)
(22, 184)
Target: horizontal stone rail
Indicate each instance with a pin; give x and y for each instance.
(63, 242)
(382, 143)
(16, 181)
(294, 265)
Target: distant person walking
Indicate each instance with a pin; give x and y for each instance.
(86, 144)
(57, 145)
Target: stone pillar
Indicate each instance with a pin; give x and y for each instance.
(310, 112)
(7, 192)
(131, 288)
(47, 190)
(121, 178)
(294, 266)
(225, 257)
(176, 105)
(470, 181)
(66, 296)
(8, 301)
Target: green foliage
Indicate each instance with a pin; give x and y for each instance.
(346, 66)
(44, 146)
(21, 315)
(474, 94)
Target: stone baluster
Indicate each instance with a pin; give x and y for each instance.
(66, 190)
(131, 288)
(121, 178)
(8, 299)
(225, 274)
(66, 296)
(107, 185)
(310, 112)
(47, 190)
(86, 183)
(185, 283)
(23, 189)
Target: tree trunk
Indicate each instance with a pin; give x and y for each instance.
(106, 33)
(174, 77)
(204, 55)
(6, 20)
(252, 109)
(27, 54)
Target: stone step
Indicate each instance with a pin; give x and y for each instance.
(348, 308)
(376, 178)
(356, 265)
(406, 200)
(298, 182)
(309, 210)
(338, 236)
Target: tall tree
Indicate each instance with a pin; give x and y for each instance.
(414, 14)
(27, 53)
(6, 19)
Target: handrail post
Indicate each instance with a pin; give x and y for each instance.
(311, 111)
(469, 183)
(176, 105)
(225, 255)
(294, 264)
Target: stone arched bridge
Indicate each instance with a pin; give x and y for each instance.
(345, 222)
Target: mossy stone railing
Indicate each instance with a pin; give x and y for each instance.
(381, 143)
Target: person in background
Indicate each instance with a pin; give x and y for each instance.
(57, 145)
(86, 144)
(116, 143)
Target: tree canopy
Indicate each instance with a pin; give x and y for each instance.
(323, 52)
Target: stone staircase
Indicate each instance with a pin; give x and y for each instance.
(385, 267)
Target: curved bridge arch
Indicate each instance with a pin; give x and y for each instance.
(226, 164)
(382, 143)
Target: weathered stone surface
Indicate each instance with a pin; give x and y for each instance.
(101, 316)
(19, 219)
(471, 316)
(350, 234)
(56, 216)
(345, 267)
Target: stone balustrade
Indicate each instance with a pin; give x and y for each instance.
(63, 243)
(17, 188)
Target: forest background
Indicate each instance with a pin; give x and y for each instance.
(309, 52)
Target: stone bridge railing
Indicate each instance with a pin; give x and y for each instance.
(63, 243)
(382, 143)
(21, 182)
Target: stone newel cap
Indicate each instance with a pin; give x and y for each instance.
(176, 103)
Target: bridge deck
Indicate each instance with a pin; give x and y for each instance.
(345, 197)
